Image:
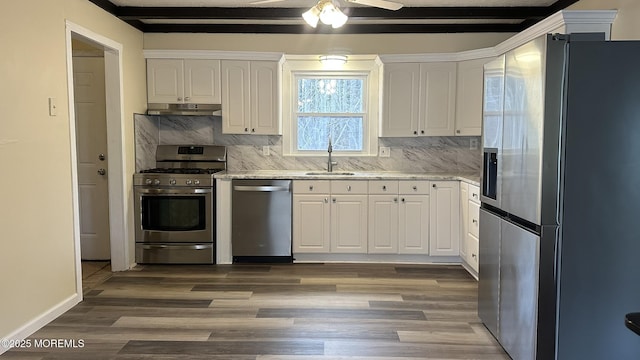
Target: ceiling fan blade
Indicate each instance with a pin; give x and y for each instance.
(383, 4)
(260, 2)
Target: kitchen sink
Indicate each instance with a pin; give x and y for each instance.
(337, 173)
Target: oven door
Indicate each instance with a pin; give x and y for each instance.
(174, 215)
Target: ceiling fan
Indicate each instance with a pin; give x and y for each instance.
(329, 12)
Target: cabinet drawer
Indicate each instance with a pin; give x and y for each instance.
(414, 187)
(311, 187)
(473, 246)
(349, 187)
(383, 187)
(474, 193)
(474, 218)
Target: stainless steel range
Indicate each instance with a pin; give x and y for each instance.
(175, 205)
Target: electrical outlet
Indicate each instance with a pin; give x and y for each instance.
(266, 151)
(473, 144)
(384, 151)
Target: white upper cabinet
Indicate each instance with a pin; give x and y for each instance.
(419, 99)
(250, 99)
(438, 98)
(178, 81)
(469, 97)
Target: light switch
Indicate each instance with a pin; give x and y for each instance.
(53, 107)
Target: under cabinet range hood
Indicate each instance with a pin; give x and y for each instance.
(184, 109)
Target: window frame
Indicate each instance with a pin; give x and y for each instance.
(366, 67)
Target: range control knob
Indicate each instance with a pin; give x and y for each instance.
(172, 181)
(156, 182)
(189, 182)
(147, 181)
(196, 182)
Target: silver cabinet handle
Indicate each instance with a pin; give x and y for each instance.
(395, 200)
(310, 187)
(261, 188)
(474, 255)
(326, 200)
(184, 247)
(415, 188)
(179, 99)
(475, 195)
(474, 221)
(334, 200)
(402, 200)
(186, 98)
(434, 185)
(348, 187)
(102, 171)
(384, 187)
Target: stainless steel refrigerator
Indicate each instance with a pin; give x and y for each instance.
(560, 216)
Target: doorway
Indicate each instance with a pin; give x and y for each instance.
(92, 162)
(97, 169)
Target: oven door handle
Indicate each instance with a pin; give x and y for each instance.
(175, 191)
(182, 247)
(260, 188)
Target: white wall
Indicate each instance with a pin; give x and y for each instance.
(36, 215)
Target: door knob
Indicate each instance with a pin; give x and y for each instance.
(102, 171)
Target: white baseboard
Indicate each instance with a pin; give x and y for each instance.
(43, 319)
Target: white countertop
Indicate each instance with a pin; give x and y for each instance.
(340, 175)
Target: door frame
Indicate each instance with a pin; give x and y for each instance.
(115, 149)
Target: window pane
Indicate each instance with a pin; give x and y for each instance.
(330, 95)
(314, 131)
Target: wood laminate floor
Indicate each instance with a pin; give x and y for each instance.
(273, 312)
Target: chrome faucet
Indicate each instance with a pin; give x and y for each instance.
(330, 164)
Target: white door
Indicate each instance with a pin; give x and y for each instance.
(91, 135)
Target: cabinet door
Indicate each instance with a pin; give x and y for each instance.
(236, 109)
(311, 223)
(165, 81)
(202, 81)
(474, 218)
(400, 100)
(444, 235)
(464, 218)
(349, 223)
(469, 97)
(264, 98)
(413, 224)
(383, 224)
(437, 98)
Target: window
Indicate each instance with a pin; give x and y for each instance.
(339, 104)
(330, 107)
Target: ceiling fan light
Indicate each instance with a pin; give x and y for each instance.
(339, 19)
(327, 14)
(312, 16)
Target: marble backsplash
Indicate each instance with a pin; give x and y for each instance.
(441, 154)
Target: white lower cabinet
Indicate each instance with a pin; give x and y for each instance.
(444, 234)
(330, 216)
(470, 224)
(383, 224)
(407, 217)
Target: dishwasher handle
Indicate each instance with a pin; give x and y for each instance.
(263, 188)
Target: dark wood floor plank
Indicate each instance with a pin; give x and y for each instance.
(341, 314)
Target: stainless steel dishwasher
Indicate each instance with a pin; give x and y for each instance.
(261, 221)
